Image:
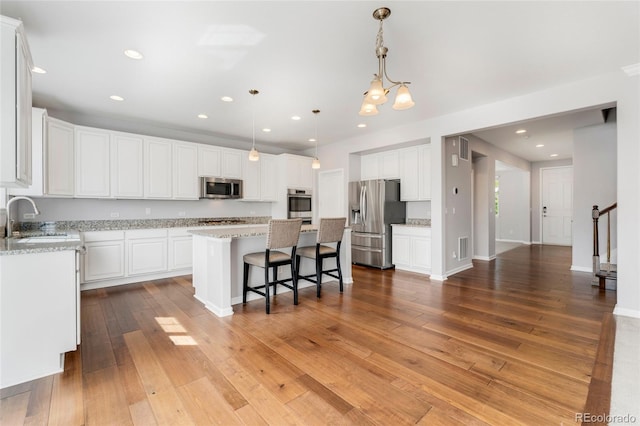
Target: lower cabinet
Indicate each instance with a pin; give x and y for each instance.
(104, 256)
(411, 248)
(122, 257)
(146, 251)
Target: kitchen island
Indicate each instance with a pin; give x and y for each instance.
(217, 263)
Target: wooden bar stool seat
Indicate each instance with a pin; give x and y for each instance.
(330, 231)
(283, 233)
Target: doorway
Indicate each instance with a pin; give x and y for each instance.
(557, 205)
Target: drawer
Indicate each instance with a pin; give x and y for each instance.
(93, 236)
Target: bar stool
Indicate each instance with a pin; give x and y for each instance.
(329, 231)
(283, 233)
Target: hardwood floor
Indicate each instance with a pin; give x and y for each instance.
(512, 341)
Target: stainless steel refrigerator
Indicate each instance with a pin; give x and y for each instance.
(374, 206)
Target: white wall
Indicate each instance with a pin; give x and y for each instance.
(483, 214)
(52, 209)
(513, 220)
(418, 209)
(605, 89)
(594, 177)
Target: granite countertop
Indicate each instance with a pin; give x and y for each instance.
(415, 223)
(124, 224)
(13, 246)
(242, 232)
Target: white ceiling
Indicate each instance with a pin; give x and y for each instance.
(303, 55)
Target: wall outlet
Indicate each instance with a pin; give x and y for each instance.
(29, 216)
(115, 214)
(453, 254)
(182, 214)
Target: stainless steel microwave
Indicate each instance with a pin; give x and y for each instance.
(220, 188)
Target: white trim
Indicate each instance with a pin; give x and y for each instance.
(133, 279)
(437, 277)
(582, 269)
(626, 312)
(514, 241)
(485, 258)
(460, 269)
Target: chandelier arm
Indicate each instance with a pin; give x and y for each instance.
(394, 83)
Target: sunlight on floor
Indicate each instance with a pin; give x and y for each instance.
(172, 325)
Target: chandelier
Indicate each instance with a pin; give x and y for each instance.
(253, 154)
(377, 93)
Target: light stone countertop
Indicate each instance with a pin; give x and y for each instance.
(242, 231)
(11, 246)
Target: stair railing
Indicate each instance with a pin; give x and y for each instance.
(595, 214)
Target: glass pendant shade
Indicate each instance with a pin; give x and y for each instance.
(403, 99)
(376, 94)
(315, 164)
(254, 155)
(368, 109)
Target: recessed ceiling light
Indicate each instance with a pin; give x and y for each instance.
(312, 139)
(203, 116)
(116, 98)
(295, 117)
(133, 54)
(539, 145)
(362, 125)
(553, 155)
(39, 70)
(521, 131)
(226, 99)
(266, 130)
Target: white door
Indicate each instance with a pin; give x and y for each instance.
(557, 205)
(331, 193)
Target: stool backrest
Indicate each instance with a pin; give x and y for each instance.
(283, 233)
(331, 229)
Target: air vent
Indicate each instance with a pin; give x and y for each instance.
(464, 148)
(463, 248)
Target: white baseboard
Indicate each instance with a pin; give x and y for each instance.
(514, 241)
(459, 269)
(536, 242)
(576, 268)
(133, 279)
(624, 312)
(437, 277)
(485, 258)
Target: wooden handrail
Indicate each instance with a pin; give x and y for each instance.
(608, 209)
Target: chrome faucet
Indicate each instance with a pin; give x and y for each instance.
(9, 221)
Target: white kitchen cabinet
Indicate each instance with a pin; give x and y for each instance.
(104, 257)
(146, 251)
(38, 314)
(232, 159)
(259, 178)
(158, 164)
(415, 173)
(381, 165)
(59, 158)
(38, 136)
(299, 173)
(127, 165)
(185, 171)
(92, 163)
(15, 105)
(180, 249)
(411, 248)
(209, 159)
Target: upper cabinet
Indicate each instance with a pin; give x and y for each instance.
(209, 158)
(15, 105)
(415, 173)
(259, 178)
(381, 165)
(158, 164)
(59, 158)
(92, 165)
(185, 171)
(38, 136)
(127, 160)
(299, 173)
(232, 163)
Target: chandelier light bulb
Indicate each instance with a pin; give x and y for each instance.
(403, 99)
(315, 164)
(376, 94)
(368, 109)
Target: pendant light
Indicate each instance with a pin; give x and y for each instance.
(377, 93)
(315, 164)
(253, 154)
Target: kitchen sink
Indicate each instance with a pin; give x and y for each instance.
(47, 238)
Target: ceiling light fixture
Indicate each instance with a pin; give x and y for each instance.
(226, 99)
(362, 125)
(133, 54)
(203, 116)
(253, 154)
(315, 164)
(539, 145)
(116, 98)
(38, 70)
(296, 118)
(377, 93)
(553, 155)
(521, 131)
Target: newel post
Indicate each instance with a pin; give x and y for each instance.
(595, 214)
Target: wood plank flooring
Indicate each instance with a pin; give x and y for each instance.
(512, 341)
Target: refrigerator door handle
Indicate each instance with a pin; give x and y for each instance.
(364, 204)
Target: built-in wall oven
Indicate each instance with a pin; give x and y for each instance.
(299, 204)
